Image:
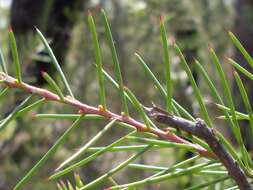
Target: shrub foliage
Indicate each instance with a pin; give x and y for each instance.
(231, 165)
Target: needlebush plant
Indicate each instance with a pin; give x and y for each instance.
(214, 158)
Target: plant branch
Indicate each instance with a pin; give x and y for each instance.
(201, 130)
(87, 109)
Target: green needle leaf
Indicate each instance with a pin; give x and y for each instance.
(209, 82)
(13, 114)
(2, 62)
(49, 153)
(70, 187)
(138, 107)
(215, 94)
(120, 148)
(160, 178)
(171, 169)
(166, 60)
(114, 83)
(98, 58)
(14, 52)
(151, 75)
(31, 107)
(205, 170)
(194, 86)
(176, 106)
(117, 71)
(114, 170)
(207, 184)
(147, 167)
(161, 143)
(4, 92)
(239, 115)
(240, 68)
(74, 116)
(178, 165)
(53, 85)
(78, 181)
(229, 99)
(235, 187)
(55, 62)
(61, 186)
(89, 158)
(156, 82)
(238, 44)
(88, 144)
(245, 99)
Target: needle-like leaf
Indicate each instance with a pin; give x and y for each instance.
(49, 153)
(161, 143)
(240, 68)
(238, 44)
(114, 170)
(217, 96)
(160, 87)
(78, 181)
(87, 145)
(239, 115)
(55, 62)
(117, 71)
(98, 59)
(13, 114)
(196, 90)
(166, 60)
(2, 62)
(120, 148)
(4, 92)
(245, 99)
(89, 158)
(31, 107)
(207, 184)
(138, 107)
(174, 174)
(53, 85)
(14, 53)
(229, 100)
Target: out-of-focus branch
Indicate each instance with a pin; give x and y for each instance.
(201, 130)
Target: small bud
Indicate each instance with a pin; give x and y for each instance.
(80, 111)
(210, 47)
(123, 114)
(89, 13)
(161, 18)
(42, 73)
(69, 97)
(10, 29)
(101, 108)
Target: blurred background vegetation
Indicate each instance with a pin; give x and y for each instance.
(135, 26)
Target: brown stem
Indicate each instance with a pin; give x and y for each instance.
(13, 83)
(201, 130)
